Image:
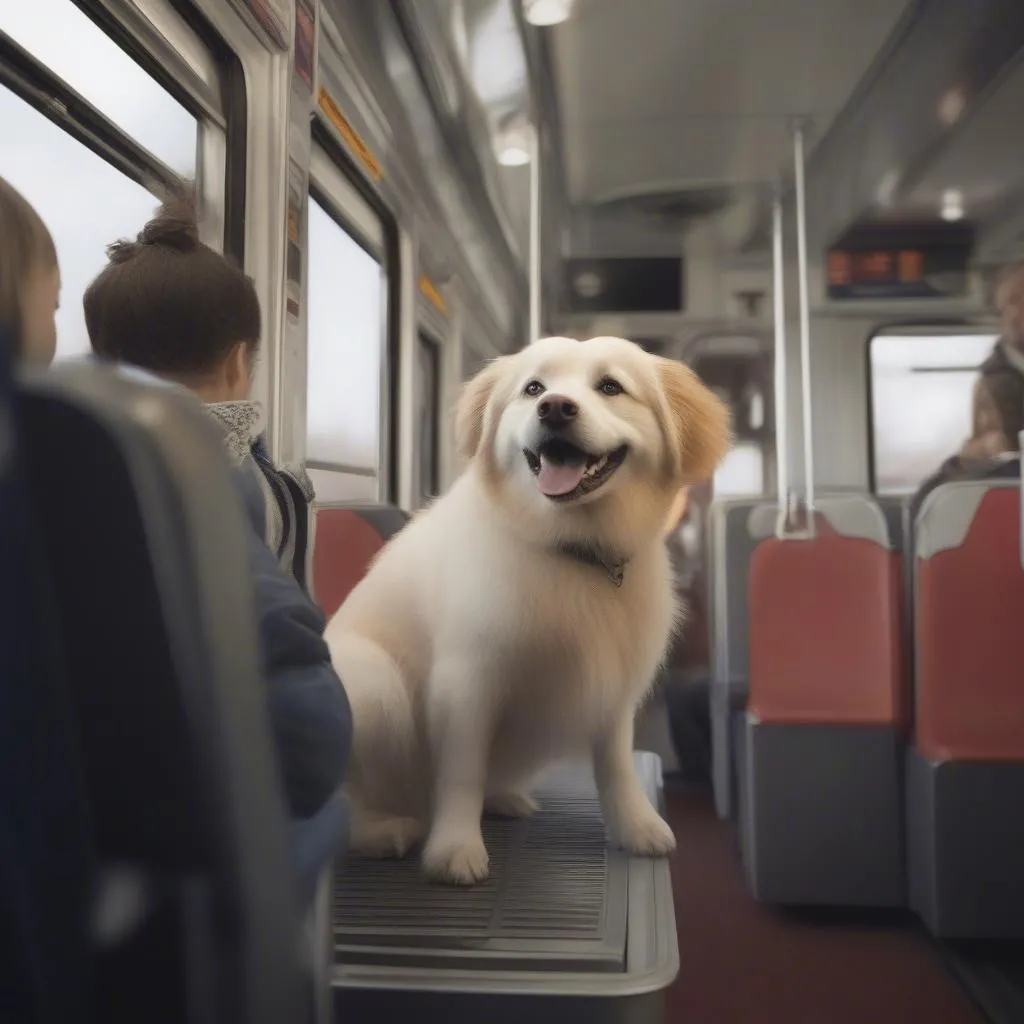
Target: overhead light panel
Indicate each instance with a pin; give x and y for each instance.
(547, 12)
(952, 204)
(513, 144)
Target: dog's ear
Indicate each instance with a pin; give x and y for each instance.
(472, 406)
(699, 426)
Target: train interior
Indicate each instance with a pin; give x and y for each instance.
(811, 203)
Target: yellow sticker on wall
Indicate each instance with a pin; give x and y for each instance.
(432, 295)
(351, 137)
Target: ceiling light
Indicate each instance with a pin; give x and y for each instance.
(885, 193)
(513, 156)
(952, 204)
(951, 106)
(512, 145)
(547, 12)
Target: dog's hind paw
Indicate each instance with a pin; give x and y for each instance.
(644, 833)
(461, 861)
(511, 805)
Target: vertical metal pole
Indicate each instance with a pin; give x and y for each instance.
(805, 321)
(781, 411)
(535, 279)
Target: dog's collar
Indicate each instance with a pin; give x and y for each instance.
(613, 568)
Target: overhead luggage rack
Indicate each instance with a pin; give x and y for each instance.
(561, 917)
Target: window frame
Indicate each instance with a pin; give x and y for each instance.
(427, 342)
(909, 328)
(361, 212)
(220, 112)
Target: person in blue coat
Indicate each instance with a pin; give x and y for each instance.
(181, 313)
(309, 712)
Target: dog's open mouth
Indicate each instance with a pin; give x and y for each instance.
(565, 472)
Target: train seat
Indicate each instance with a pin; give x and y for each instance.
(347, 538)
(736, 527)
(820, 778)
(565, 928)
(150, 582)
(45, 876)
(965, 768)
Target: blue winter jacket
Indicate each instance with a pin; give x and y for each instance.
(308, 709)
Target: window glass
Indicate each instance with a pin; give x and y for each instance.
(921, 398)
(331, 486)
(345, 321)
(85, 202)
(427, 403)
(741, 472)
(77, 50)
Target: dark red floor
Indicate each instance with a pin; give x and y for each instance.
(745, 963)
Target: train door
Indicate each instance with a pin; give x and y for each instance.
(104, 118)
(739, 371)
(348, 400)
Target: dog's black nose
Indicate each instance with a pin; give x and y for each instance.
(557, 411)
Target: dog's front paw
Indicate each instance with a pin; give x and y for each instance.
(643, 832)
(456, 860)
(511, 805)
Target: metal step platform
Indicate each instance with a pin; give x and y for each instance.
(564, 928)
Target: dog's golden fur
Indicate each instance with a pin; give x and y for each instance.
(478, 648)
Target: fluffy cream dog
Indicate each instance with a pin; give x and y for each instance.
(521, 619)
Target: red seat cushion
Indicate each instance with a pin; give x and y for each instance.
(969, 634)
(825, 643)
(344, 548)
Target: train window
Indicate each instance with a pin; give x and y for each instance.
(741, 473)
(346, 323)
(77, 50)
(85, 201)
(921, 400)
(428, 403)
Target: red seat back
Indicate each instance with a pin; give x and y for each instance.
(969, 623)
(825, 622)
(347, 540)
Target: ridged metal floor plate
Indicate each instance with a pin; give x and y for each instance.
(556, 899)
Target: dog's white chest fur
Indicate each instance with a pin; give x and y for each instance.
(535, 653)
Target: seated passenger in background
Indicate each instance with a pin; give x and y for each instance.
(1008, 354)
(993, 450)
(171, 305)
(174, 307)
(29, 278)
(994, 447)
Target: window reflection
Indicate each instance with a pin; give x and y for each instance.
(85, 202)
(78, 51)
(921, 403)
(741, 473)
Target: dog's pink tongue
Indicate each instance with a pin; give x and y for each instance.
(558, 479)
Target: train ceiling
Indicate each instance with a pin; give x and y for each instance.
(686, 93)
(905, 102)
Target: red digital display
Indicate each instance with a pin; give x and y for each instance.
(877, 266)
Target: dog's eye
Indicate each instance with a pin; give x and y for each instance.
(610, 387)
(533, 389)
